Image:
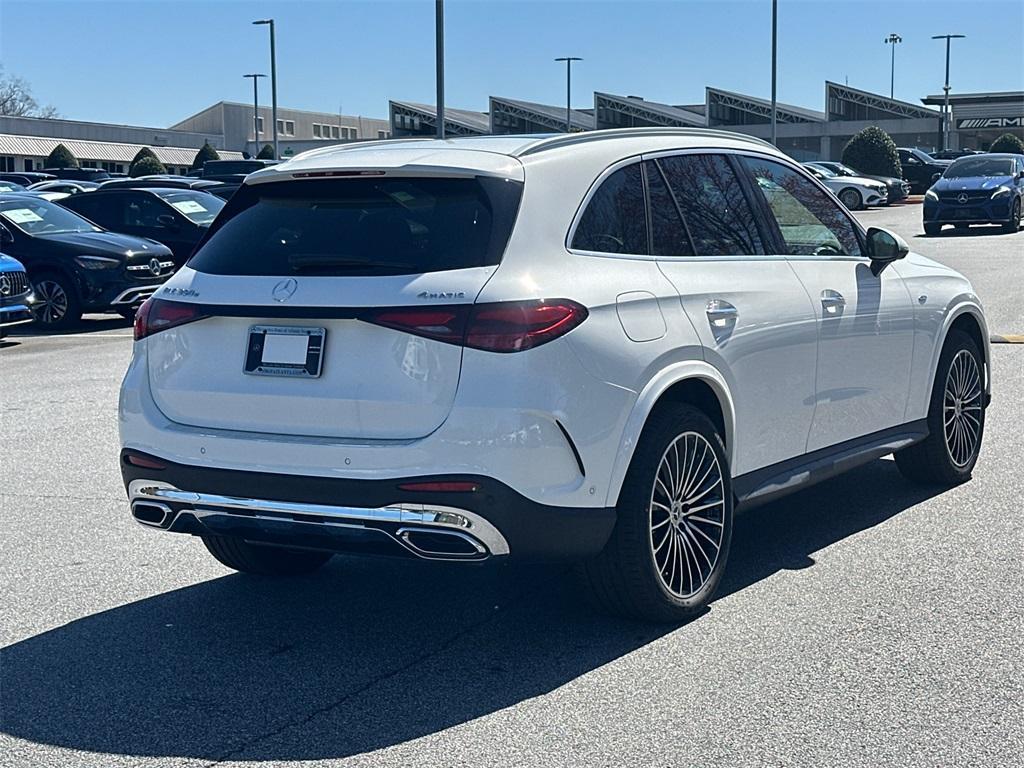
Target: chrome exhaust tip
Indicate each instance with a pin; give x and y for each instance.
(151, 513)
(439, 544)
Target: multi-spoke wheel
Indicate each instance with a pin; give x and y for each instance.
(956, 417)
(1013, 223)
(668, 551)
(57, 305)
(686, 514)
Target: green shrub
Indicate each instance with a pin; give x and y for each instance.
(1008, 143)
(143, 154)
(267, 153)
(873, 151)
(206, 152)
(61, 157)
(146, 166)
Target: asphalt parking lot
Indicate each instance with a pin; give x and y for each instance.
(863, 622)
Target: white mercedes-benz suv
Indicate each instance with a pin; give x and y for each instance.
(594, 346)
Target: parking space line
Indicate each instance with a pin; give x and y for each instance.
(1007, 338)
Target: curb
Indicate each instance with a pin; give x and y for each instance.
(1006, 338)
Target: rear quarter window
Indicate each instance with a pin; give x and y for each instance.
(362, 226)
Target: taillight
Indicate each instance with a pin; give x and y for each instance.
(157, 315)
(507, 326)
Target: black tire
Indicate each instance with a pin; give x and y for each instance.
(262, 559)
(625, 577)
(851, 198)
(932, 461)
(932, 230)
(57, 305)
(1013, 224)
(128, 313)
(962, 227)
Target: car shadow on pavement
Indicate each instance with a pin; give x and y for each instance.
(367, 653)
(88, 324)
(983, 231)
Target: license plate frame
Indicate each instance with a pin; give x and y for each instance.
(309, 368)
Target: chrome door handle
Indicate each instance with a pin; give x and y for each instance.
(832, 301)
(721, 313)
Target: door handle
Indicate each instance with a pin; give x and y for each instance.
(832, 302)
(721, 312)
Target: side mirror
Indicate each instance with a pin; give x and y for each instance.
(5, 235)
(936, 177)
(1020, 175)
(168, 221)
(884, 247)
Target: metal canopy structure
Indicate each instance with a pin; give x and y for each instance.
(846, 103)
(411, 119)
(729, 108)
(613, 111)
(516, 116)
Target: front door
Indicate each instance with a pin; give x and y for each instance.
(865, 322)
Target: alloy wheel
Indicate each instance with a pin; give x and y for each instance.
(51, 302)
(687, 514)
(961, 408)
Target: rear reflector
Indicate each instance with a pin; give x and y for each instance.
(452, 486)
(157, 315)
(508, 326)
(144, 461)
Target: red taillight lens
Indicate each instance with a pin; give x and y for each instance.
(157, 315)
(508, 326)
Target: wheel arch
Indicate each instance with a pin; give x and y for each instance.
(52, 266)
(968, 317)
(694, 383)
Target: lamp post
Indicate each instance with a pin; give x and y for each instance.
(273, 82)
(439, 63)
(255, 111)
(775, 47)
(945, 90)
(568, 89)
(892, 39)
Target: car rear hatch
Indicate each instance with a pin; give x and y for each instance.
(318, 300)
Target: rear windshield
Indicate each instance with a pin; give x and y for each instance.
(363, 226)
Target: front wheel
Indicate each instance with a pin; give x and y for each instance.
(670, 544)
(956, 418)
(57, 305)
(932, 230)
(1013, 224)
(851, 199)
(264, 560)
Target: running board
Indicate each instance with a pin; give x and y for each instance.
(773, 482)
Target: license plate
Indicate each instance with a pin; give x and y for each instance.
(285, 350)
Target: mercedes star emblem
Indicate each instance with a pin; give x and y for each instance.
(962, 198)
(285, 289)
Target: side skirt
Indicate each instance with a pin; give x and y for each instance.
(777, 480)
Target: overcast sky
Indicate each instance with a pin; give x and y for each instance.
(154, 62)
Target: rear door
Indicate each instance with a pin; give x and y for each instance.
(358, 260)
(865, 322)
(750, 311)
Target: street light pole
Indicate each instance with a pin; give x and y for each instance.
(945, 90)
(439, 64)
(568, 89)
(892, 39)
(273, 82)
(255, 111)
(775, 46)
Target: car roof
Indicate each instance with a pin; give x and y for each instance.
(501, 155)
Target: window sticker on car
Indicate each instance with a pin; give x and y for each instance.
(21, 215)
(189, 206)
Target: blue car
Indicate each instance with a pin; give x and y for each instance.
(977, 189)
(15, 294)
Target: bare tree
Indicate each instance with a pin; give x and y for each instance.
(16, 99)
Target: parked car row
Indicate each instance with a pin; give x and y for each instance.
(853, 191)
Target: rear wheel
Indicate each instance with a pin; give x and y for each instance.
(57, 304)
(1013, 224)
(932, 229)
(851, 199)
(956, 418)
(263, 559)
(668, 550)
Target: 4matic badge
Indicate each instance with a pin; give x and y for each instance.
(441, 295)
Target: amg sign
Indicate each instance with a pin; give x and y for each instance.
(991, 122)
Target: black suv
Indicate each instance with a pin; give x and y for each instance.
(79, 174)
(76, 266)
(920, 168)
(178, 218)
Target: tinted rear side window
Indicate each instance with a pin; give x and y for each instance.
(615, 220)
(362, 226)
(719, 220)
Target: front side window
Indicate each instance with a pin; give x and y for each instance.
(711, 200)
(810, 222)
(615, 220)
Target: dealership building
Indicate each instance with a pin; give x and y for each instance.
(976, 119)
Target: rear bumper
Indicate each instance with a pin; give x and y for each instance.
(361, 516)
